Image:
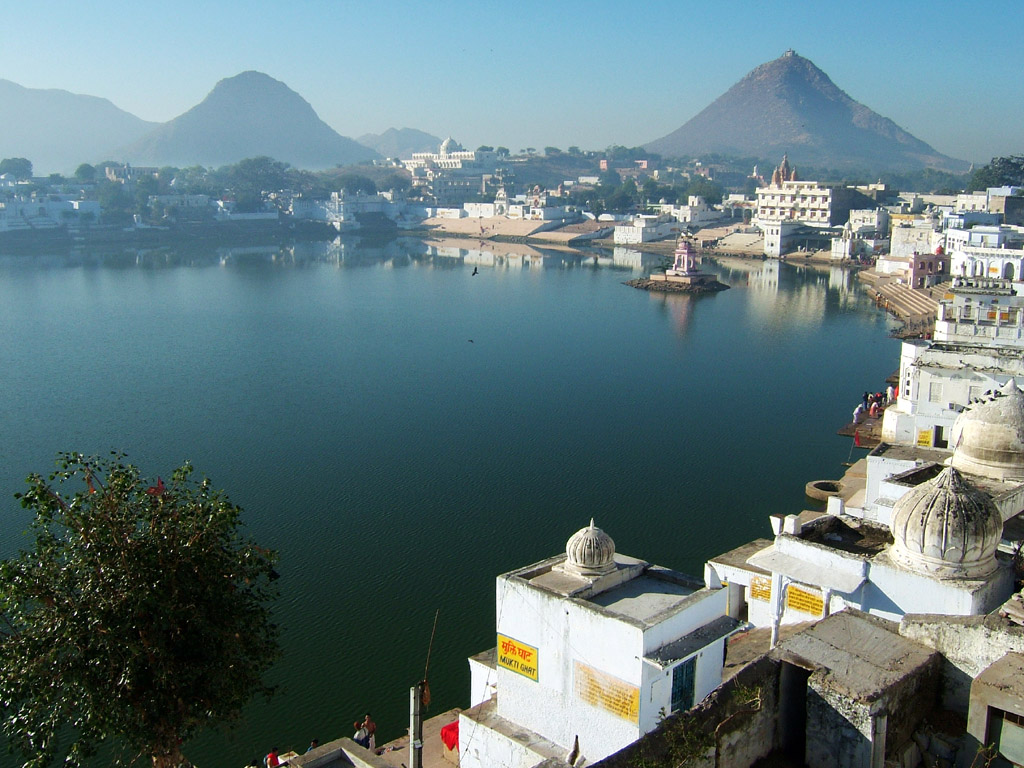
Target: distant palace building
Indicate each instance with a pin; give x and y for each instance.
(789, 204)
(452, 173)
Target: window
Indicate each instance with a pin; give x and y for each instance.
(682, 684)
(935, 392)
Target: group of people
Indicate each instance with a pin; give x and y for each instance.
(365, 736)
(873, 403)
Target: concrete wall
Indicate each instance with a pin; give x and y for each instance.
(340, 752)
(482, 679)
(838, 730)
(721, 732)
(969, 645)
(565, 632)
(897, 591)
(483, 747)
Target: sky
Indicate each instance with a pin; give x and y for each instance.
(535, 74)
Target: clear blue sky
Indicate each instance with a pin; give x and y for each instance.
(534, 74)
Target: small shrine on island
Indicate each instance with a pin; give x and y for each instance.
(683, 276)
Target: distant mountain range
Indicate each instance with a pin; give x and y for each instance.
(400, 142)
(58, 130)
(785, 106)
(790, 105)
(247, 115)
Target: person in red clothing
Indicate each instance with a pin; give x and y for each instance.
(271, 760)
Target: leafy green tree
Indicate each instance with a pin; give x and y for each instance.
(355, 183)
(711, 191)
(552, 151)
(144, 187)
(85, 172)
(140, 617)
(18, 167)
(259, 174)
(396, 181)
(115, 203)
(484, 148)
(1001, 171)
(502, 152)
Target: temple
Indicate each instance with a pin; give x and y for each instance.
(593, 649)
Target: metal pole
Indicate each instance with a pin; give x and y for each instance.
(415, 726)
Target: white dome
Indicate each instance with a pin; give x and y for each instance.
(946, 528)
(590, 552)
(450, 145)
(988, 437)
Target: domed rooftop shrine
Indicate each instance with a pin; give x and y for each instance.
(590, 552)
(594, 648)
(946, 528)
(988, 437)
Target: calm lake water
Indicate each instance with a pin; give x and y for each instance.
(403, 431)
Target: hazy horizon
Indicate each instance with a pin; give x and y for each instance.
(592, 76)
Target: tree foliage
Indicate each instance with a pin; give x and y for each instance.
(18, 167)
(1000, 172)
(85, 172)
(140, 617)
(355, 184)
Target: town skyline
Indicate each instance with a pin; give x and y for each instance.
(484, 74)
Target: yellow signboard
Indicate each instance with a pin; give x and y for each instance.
(761, 588)
(601, 690)
(924, 437)
(805, 600)
(519, 657)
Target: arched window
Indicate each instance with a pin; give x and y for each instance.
(1008, 270)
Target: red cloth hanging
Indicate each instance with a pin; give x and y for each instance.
(450, 735)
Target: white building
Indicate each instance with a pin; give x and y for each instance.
(998, 236)
(449, 156)
(696, 211)
(644, 229)
(593, 649)
(343, 210)
(972, 201)
(978, 345)
(925, 538)
(789, 203)
(32, 214)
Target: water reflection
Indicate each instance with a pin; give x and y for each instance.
(442, 253)
(331, 390)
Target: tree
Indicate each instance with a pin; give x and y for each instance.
(485, 148)
(85, 172)
(356, 184)
(711, 191)
(141, 615)
(18, 167)
(115, 203)
(1001, 171)
(502, 152)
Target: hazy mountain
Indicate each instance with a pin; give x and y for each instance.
(400, 142)
(58, 130)
(789, 105)
(247, 115)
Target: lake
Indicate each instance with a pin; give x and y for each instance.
(402, 431)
